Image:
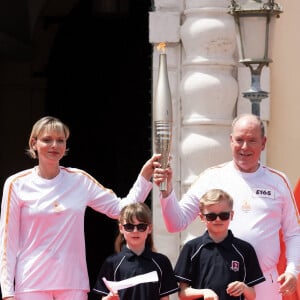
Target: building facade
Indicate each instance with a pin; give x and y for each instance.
(205, 77)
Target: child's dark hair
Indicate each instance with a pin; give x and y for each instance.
(142, 213)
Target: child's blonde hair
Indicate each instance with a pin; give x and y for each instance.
(214, 196)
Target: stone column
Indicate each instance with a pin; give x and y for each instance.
(208, 91)
(201, 46)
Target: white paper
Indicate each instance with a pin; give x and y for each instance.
(114, 286)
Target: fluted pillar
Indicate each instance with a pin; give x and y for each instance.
(201, 45)
(208, 90)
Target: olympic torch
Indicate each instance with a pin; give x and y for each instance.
(162, 113)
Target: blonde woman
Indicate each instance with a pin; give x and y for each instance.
(42, 250)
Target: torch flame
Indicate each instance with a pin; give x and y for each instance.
(161, 47)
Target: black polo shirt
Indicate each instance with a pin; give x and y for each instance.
(202, 263)
(127, 264)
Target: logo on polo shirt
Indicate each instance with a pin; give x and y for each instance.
(235, 266)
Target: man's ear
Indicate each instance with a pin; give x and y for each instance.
(264, 143)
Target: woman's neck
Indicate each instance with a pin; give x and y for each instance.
(48, 172)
